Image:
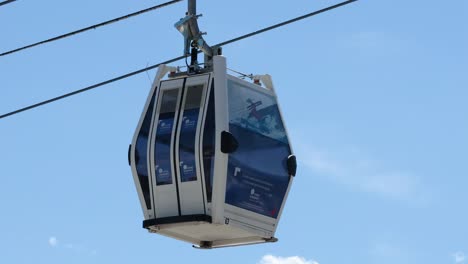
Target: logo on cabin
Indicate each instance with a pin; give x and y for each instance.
(253, 109)
(237, 171)
(164, 126)
(188, 122)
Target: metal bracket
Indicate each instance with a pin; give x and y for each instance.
(193, 37)
(266, 80)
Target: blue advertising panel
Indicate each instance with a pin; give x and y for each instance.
(141, 157)
(257, 177)
(188, 130)
(209, 146)
(162, 149)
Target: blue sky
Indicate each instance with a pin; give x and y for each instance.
(374, 96)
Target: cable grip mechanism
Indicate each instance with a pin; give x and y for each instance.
(193, 38)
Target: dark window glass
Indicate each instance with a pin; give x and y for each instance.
(141, 157)
(257, 173)
(209, 145)
(188, 130)
(162, 150)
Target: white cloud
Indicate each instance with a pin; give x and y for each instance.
(354, 169)
(270, 259)
(69, 246)
(369, 39)
(53, 242)
(386, 251)
(459, 257)
(375, 43)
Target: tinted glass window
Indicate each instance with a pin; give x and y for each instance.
(257, 173)
(188, 130)
(141, 157)
(162, 150)
(209, 145)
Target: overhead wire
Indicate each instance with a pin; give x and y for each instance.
(243, 75)
(6, 2)
(91, 27)
(286, 22)
(172, 60)
(90, 87)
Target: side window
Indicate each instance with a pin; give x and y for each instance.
(162, 150)
(188, 130)
(209, 145)
(257, 173)
(141, 157)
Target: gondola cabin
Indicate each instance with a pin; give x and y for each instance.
(211, 158)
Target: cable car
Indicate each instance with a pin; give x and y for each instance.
(210, 156)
